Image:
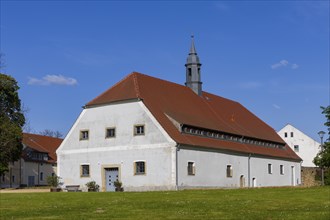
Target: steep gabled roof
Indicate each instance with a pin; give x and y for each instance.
(167, 100)
(43, 144)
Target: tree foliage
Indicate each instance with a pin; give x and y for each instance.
(51, 133)
(322, 159)
(11, 122)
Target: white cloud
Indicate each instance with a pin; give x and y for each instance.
(294, 66)
(282, 63)
(53, 79)
(276, 106)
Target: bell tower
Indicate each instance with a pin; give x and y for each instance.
(193, 70)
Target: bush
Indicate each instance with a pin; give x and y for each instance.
(118, 185)
(92, 186)
(53, 181)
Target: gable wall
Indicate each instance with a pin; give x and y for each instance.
(156, 148)
(308, 148)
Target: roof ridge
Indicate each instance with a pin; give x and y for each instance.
(136, 84)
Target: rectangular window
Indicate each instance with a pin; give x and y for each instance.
(139, 130)
(13, 179)
(110, 132)
(229, 171)
(296, 148)
(291, 134)
(285, 134)
(41, 176)
(191, 168)
(139, 168)
(84, 135)
(281, 169)
(270, 170)
(84, 170)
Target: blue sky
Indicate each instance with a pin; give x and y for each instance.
(271, 56)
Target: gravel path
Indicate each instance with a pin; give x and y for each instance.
(24, 190)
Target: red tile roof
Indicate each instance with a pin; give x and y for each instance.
(43, 144)
(208, 111)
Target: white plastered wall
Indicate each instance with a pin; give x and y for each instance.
(211, 166)
(156, 148)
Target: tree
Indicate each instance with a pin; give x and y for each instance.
(51, 133)
(322, 159)
(11, 122)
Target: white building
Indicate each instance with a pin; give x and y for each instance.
(302, 144)
(38, 161)
(152, 134)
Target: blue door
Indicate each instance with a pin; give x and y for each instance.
(111, 175)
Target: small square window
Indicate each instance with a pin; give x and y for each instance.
(139, 130)
(191, 168)
(84, 169)
(139, 168)
(84, 135)
(229, 171)
(270, 168)
(110, 132)
(281, 169)
(296, 148)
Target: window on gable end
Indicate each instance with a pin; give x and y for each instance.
(139, 130)
(139, 168)
(296, 148)
(84, 170)
(84, 135)
(110, 133)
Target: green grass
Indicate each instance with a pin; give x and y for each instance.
(264, 203)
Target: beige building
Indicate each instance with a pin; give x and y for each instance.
(38, 161)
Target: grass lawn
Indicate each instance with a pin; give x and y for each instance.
(264, 203)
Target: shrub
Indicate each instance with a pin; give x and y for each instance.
(92, 186)
(53, 181)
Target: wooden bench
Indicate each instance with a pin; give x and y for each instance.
(72, 188)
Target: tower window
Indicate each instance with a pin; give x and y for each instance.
(189, 71)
